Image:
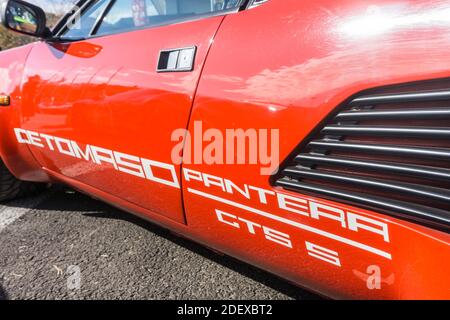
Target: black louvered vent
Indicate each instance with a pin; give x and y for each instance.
(389, 152)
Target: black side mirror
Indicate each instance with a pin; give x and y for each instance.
(23, 17)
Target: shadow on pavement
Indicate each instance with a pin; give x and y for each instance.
(36, 200)
(67, 200)
(3, 295)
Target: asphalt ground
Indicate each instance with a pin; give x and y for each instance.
(65, 245)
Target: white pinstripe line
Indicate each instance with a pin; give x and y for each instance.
(294, 224)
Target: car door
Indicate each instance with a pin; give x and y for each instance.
(106, 99)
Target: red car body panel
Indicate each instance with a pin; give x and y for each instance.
(286, 65)
(107, 93)
(16, 156)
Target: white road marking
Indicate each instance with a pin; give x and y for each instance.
(16, 209)
(9, 215)
(294, 224)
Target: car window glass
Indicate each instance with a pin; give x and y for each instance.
(82, 27)
(133, 14)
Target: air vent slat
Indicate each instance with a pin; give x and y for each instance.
(395, 114)
(390, 152)
(436, 194)
(391, 167)
(412, 132)
(401, 98)
(422, 213)
(432, 153)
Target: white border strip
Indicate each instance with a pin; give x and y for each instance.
(294, 224)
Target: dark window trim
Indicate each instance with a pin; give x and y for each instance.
(62, 25)
(85, 4)
(256, 3)
(65, 18)
(101, 17)
(172, 22)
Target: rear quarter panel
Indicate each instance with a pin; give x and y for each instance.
(286, 65)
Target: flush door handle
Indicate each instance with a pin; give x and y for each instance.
(177, 60)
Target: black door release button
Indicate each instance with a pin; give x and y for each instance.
(177, 60)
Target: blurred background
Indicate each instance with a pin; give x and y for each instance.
(54, 10)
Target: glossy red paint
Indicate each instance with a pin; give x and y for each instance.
(311, 59)
(16, 157)
(283, 65)
(106, 92)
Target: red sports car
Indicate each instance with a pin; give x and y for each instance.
(308, 138)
